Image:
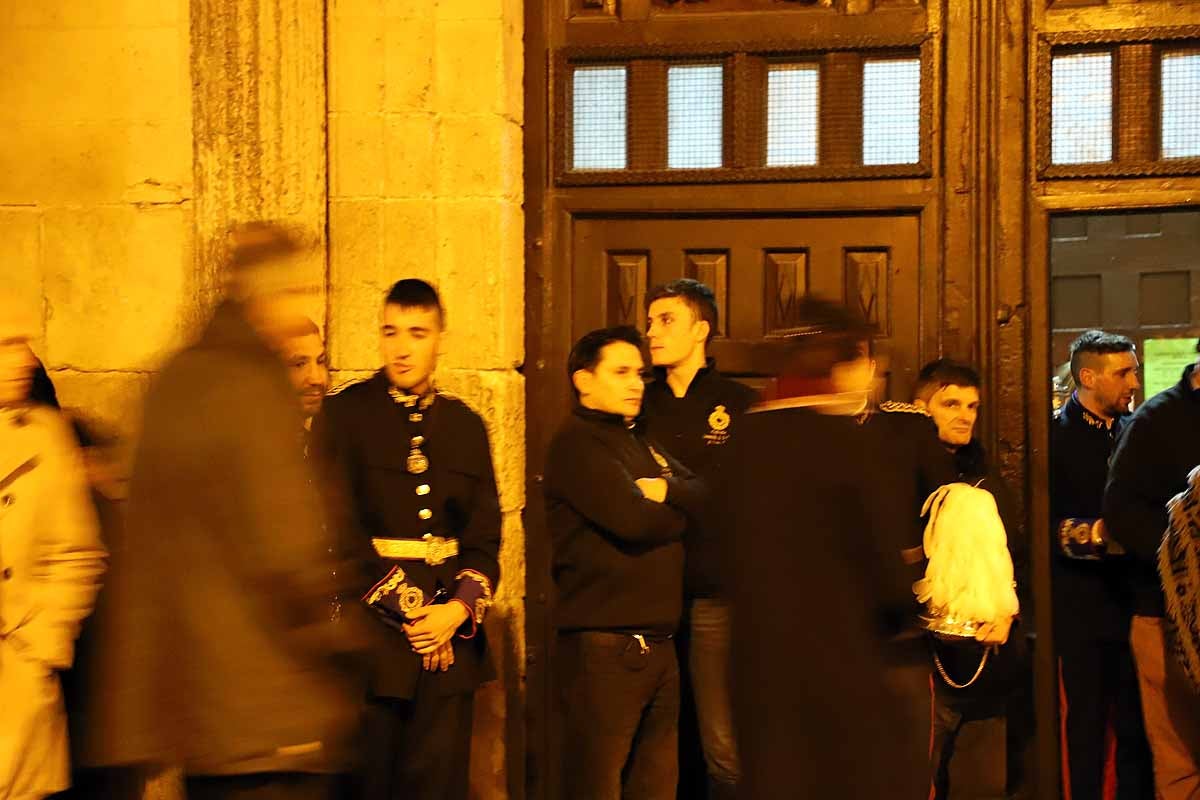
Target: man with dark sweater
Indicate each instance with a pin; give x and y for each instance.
(617, 508)
(695, 412)
(1099, 690)
(1159, 447)
(974, 729)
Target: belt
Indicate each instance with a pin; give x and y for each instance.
(433, 550)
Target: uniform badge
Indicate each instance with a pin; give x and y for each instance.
(411, 598)
(718, 426)
(417, 462)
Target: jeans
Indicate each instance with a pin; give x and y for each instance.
(620, 710)
(708, 660)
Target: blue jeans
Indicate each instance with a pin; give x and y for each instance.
(708, 660)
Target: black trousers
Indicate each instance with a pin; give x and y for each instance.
(263, 786)
(1099, 683)
(418, 749)
(620, 712)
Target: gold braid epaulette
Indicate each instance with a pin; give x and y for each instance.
(892, 406)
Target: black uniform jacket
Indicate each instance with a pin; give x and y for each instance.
(618, 557)
(811, 589)
(1091, 599)
(364, 437)
(697, 429)
(1157, 450)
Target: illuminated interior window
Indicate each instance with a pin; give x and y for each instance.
(892, 111)
(1181, 105)
(598, 118)
(1081, 109)
(695, 116)
(793, 100)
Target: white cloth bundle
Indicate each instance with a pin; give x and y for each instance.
(969, 577)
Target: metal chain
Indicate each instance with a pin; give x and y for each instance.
(937, 662)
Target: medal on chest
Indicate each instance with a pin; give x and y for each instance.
(417, 462)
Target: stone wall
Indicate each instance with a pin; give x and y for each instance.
(134, 131)
(96, 188)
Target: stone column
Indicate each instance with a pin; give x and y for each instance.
(258, 105)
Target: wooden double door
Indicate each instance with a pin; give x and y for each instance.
(759, 267)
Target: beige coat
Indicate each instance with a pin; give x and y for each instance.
(51, 560)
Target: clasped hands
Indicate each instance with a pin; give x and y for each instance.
(430, 631)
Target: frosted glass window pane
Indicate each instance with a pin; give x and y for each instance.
(1081, 109)
(695, 116)
(892, 111)
(792, 105)
(1180, 105)
(598, 118)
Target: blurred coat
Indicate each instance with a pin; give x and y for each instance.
(224, 659)
(817, 588)
(51, 561)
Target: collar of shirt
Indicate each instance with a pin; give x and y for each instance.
(605, 418)
(660, 377)
(1075, 412)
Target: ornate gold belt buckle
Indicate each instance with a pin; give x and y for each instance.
(436, 551)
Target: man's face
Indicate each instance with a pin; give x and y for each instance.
(16, 369)
(674, 332)
(308, 370)
(857, 375)
(615, 385)
(408, 342)
(1113, 381)
(954, 409)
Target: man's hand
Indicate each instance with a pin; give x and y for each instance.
(994, 633)
(439, 660)
(654, 489)
(432, 626)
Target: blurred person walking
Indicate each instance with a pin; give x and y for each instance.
(51, 562)
(230, 665)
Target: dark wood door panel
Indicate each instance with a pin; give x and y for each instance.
(759, 267)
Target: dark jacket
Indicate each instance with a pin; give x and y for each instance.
(1091, 602)
(221, 609)
(810, 596)
(903, 442)
(363, 440)
(697, 429)
(1157, 450)
(618, 557)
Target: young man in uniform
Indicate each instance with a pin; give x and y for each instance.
(1158, 449)
(694, 411)
(973, 723)
(1091, 615)
(422, 503)
(617, 506)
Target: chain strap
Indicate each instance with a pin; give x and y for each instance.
(937, 662)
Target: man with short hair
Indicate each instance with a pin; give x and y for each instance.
(617, 507)
(974, 721)
(695, 411)
(1157, 450)
(1099, 689)
(422, 504)
(303, 354)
